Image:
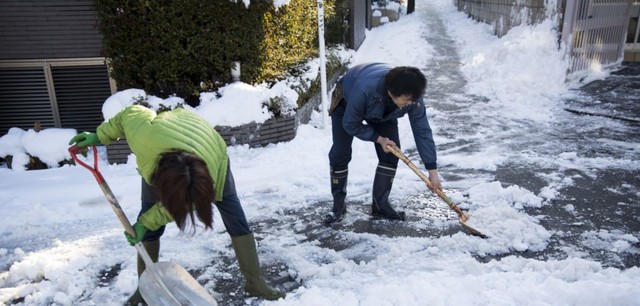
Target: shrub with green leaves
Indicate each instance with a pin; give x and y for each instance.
(171, 47)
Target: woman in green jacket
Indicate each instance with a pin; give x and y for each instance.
(184, 167)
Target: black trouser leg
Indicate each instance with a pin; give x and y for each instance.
(148, 198)
(339, 158)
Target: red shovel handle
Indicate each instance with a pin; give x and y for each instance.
(104, 186)
(73, 150)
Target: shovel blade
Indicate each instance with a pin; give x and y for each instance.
(180, 284)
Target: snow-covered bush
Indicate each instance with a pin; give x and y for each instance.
(36, 149)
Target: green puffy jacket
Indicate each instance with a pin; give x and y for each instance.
(150, 135)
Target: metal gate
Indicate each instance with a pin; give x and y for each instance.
(594, 32)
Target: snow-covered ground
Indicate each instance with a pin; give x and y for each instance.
(491, 101)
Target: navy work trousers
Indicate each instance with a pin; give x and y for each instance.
(340, 153)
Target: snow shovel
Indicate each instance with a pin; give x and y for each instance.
(161, 283)
(463, 217)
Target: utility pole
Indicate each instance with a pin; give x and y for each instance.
(323, 65)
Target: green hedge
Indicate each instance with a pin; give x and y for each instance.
(172, 47)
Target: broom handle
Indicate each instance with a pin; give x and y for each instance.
(398, 153)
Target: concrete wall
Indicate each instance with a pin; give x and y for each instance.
(631, 56)
(255, 135)
(380, 16)
(504, 14)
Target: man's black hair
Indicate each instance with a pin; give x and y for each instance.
(405, 80)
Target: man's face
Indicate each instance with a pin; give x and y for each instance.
(401, 101)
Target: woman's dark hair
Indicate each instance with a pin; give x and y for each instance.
(183, 185)
(404, 80)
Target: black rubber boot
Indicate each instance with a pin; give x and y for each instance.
(382, 183)
(153, 248)
(247, 255)
(339, 192)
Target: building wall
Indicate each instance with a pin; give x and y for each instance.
(48, 29)
(51, 69)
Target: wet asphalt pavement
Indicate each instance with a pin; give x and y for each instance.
(606, 200)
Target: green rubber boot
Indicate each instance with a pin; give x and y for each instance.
(247, 254)
(153, 248)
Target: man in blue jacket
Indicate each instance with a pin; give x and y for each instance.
(367, 102)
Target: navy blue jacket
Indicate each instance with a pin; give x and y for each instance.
(365, 94)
